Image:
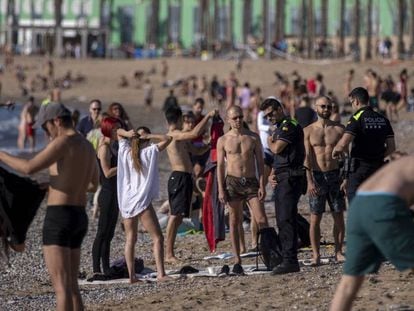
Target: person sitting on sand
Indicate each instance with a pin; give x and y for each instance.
(138, 185)
(124, 82)
(180, 183)
(379, 227)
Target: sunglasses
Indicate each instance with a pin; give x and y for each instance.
(96, 109)
(329, 107)
(237, 118)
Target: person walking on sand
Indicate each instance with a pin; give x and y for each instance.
(180, 183)
(239, 156)
(66, 222)
(138, 185)
(324, 182)
(380, 227)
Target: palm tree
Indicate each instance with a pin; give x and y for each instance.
(302, 21)
(283, 18)
(106, 23)
(58, 27)
(202, 23)
(169, 30)
(154, 22)
(180, 9)
(280, 20)
(356, 31)
(401, 20)
(324, 19)
(265, 19)
(247, 19)
(412, 29)
(216, 22)
(10, 21)
(231, 22)
(341, 50)
(311, 34)
(368, 54)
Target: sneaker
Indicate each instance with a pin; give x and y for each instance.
(238, 269)
(284, 268)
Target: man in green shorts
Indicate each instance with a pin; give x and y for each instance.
(380, 227)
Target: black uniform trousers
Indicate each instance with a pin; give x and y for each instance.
(360, 174)
(287, 194)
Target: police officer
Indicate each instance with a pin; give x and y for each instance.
(287, 145)
(372, 140)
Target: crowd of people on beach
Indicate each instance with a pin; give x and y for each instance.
(294, 141)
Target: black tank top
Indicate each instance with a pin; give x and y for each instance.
(110, 183)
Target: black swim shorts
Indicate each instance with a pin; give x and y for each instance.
(180, 191)
(65, 225)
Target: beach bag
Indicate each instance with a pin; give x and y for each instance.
(303, 231)
(268, 244)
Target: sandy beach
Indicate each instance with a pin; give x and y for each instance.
(25, 284)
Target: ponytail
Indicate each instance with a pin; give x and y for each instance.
(136, 150)
(135, 153)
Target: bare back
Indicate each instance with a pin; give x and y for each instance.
(31, 114)
(321, 141)
(396, 177)
(179, 154)
(71, 175)
(241, 152)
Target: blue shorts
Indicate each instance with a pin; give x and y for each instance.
(328, 184)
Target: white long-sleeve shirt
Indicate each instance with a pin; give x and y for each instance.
(136, 190)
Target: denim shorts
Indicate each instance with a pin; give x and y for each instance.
(328, 184)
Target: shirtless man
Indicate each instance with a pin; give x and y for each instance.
(379, 227)
(239, 155)
(371, 84)
(180, 183)
(324, 183)
(66, 221)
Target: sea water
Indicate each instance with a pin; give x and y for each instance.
(9, 127)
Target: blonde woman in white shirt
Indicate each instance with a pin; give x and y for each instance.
(138, 185)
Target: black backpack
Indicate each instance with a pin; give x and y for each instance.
(268, 244)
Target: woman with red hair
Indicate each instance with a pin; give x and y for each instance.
(116, 110)
(107, 153)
